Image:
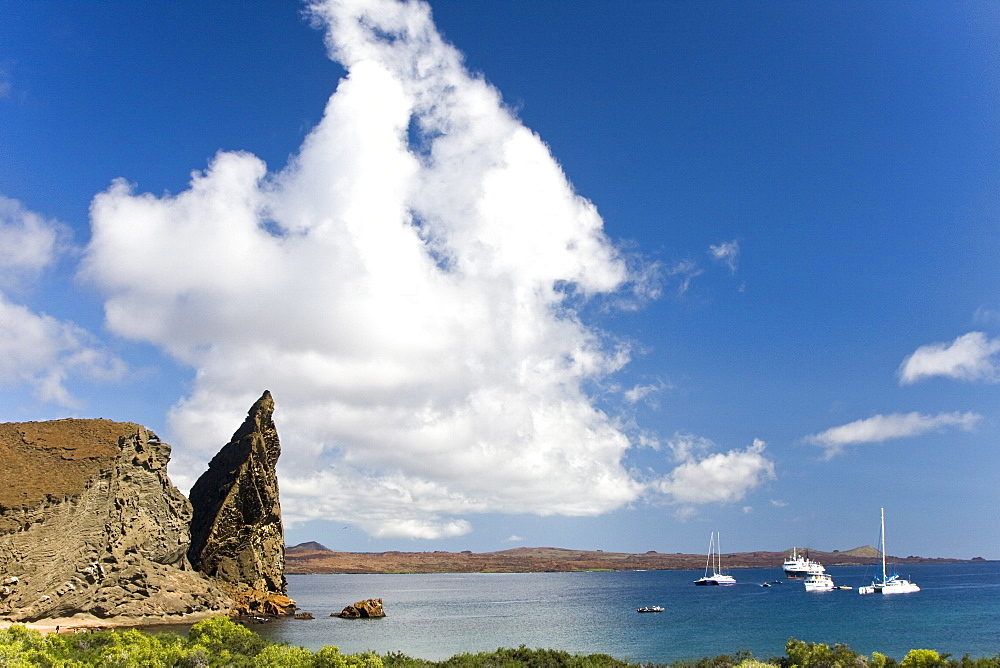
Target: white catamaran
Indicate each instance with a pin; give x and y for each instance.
(715, 561)
(892, 584)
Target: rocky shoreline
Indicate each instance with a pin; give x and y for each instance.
(93, 533)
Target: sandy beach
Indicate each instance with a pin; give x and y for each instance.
(78, 623)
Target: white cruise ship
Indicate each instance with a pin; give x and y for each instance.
(799, 566)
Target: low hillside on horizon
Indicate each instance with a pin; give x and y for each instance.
(312, 557)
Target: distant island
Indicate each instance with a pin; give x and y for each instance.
(312, 557)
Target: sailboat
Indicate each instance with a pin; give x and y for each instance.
(714, 561)
(889, 584)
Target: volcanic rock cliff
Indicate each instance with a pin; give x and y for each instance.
(236, 531)
(90, 523)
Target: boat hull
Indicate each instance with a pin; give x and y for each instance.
(819, 587)
(898, 588)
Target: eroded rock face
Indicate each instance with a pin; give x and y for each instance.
(90, 523)
(236, 532)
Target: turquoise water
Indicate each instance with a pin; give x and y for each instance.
(437, 616)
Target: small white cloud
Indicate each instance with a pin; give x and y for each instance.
(646, 393)
(727, 252)
(881, 428)
(646, 283)
(990, 316)
(685, 513)
(686, 447)
(715, 478)
(42, 353)
(971, 357)
(685, 271)
(747, 510)
(777, 503)
(39, 351)
(640, 392)
(647, 439)
(28, 242)
(423, 528)
(514, 539)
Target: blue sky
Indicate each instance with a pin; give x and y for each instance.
(601, 275)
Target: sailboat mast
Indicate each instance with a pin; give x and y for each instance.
(882, 533)
(708, 559)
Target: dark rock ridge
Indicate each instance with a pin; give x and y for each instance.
(236, 531)
(90, 523)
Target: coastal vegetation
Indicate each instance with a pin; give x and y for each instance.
(219, 642)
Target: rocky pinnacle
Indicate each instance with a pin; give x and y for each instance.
(236, 532)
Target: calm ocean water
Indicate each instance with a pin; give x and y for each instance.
(437, 616)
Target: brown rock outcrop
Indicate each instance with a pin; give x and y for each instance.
(236, 532)
(90, 523)
(368, 609)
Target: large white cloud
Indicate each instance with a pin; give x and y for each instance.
(404, 287)
(879, 428)
(970, 357)
(407, 288)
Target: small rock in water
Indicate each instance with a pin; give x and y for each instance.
(369, 608)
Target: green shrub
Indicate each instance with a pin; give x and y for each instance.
(218, 634)
(523, 657)
(221, 643)
(363, 660)
(400, 660)
(822, 655)
(921, 658)
(986, 662)
(284, 656)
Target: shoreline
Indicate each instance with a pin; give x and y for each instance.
(314, 558)
(83, 622)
